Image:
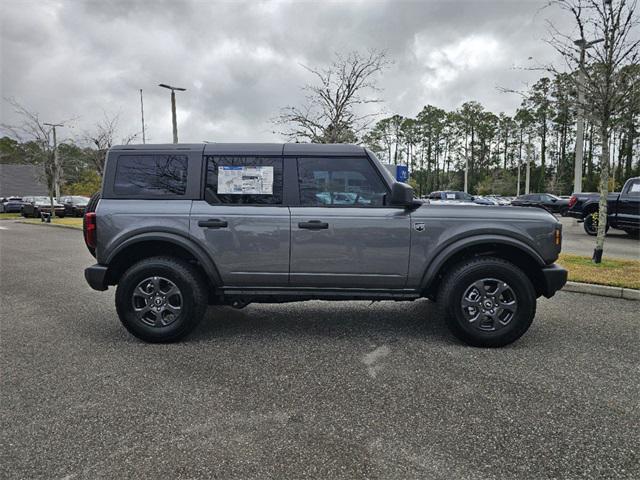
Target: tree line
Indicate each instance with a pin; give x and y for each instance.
(496, 149)
(75, 166)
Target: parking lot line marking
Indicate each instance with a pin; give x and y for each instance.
(3, 228)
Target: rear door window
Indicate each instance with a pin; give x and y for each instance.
(244, 180)
(154, 175)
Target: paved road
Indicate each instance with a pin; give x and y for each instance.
(617, 244)
(311, 390)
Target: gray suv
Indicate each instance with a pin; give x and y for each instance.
(180, 227)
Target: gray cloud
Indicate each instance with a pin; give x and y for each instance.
(241, 62)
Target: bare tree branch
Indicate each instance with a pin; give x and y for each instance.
(332, 110)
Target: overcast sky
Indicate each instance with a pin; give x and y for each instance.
(241, 62)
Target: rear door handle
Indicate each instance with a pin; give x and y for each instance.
(313, 225)
(213, 223)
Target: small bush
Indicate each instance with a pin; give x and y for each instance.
(89, 183)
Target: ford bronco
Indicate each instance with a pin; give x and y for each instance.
(180, 227)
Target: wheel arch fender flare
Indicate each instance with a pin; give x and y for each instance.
(208, 265)
(589, 207)
(459, 246)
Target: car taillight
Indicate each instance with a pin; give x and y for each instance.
(572, 201)
(90, 229)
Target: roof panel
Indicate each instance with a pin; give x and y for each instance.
(243, 149)
(290, 149)
(160, 146)
(331, 149)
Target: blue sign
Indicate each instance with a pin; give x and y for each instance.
(402, 173)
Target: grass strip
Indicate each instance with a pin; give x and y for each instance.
(57, 222)
(615, 272)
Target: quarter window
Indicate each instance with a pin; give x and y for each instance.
(244, 180)
(339, 182)
(153, 175)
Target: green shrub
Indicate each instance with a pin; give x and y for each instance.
(90, 183)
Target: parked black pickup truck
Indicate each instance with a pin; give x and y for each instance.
(623, 209)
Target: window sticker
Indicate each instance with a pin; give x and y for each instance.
(635, 187)
(241, 180)
(451, 196)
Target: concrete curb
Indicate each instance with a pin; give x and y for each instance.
(602, 290)
(42, 224)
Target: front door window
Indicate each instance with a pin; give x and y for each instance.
(339, 182)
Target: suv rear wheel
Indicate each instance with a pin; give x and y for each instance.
(161, 299)
(487, 302)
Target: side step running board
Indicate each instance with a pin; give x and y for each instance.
(284, 294)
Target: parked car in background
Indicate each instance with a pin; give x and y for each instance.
(11, 205)
(623, 209)
(34, 206)
(74, 205)
(459, 196)
(500, 200)
(549, 202)
(451, 195)
(484, 200)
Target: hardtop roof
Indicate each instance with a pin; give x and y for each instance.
(289, 149)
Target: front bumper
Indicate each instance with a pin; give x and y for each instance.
(96, 276)
(554, 278)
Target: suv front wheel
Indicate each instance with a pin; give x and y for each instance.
(161, 299)
(487, 302)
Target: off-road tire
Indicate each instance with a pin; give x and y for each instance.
(184, 276)
(462, 275)
(589, 227)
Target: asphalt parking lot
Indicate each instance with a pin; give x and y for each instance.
(617, 244)
(309, 390)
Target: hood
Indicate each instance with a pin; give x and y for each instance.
(474, 211)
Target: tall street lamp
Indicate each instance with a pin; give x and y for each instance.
(577, 169)
(55, 171)
(173, 108)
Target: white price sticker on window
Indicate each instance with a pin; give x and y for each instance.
(240, 180)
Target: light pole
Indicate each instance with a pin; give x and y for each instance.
(55, 170)
(144, 139)
(173, 108)
(577, 168)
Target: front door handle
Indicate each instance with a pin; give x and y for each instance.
(213, 223)
(313, 225)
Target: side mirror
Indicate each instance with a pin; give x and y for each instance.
(473, 198)
(554, 200)
(401, 194)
